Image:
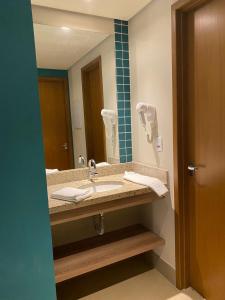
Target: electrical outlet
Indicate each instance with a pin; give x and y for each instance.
(159, 144)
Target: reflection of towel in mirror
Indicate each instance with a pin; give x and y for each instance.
(154, 183)
(51, 171)
(71, 194)
(109, 117)
(102, 164)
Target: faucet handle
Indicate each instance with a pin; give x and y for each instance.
(92, 163)
(92, 168)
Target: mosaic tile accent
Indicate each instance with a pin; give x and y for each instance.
(123, 89)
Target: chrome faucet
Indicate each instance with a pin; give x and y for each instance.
(92, 169)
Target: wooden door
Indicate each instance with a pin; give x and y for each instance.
(93, 104)
(56, 125)
(204, 145)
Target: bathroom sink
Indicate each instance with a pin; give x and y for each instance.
(102, 186)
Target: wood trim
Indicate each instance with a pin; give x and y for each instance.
(180, 229)
(86, 68)
(92, 64)
(105, 207)
(179, 9)
(68, 114)
(187, 5)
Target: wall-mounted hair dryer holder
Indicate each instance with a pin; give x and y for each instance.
(147, 113)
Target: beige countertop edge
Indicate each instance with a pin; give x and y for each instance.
(129, 189)
(101, 199)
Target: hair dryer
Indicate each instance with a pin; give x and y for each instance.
(142, 109)
(150, 111)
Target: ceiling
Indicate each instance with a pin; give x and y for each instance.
(114, 9)
(59, 48)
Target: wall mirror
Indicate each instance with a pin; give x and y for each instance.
(77, 80)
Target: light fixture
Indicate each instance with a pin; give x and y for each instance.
(65, 28)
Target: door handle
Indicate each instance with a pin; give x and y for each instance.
(192, 168)
(65, 146)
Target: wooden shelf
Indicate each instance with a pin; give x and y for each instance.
(95, 253)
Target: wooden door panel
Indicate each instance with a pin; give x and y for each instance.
(93, 104)
(205, 145)
(55, 123)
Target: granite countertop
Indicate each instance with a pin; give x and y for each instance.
(128, 189)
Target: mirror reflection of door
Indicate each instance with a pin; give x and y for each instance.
(93, 104)
(56, 125)
(70, 60)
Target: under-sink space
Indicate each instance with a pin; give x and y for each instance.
(70, 232)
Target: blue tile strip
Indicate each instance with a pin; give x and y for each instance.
(123, 89)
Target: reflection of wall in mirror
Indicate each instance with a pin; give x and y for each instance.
(106, 51)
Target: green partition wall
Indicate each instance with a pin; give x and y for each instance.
(52, 73)
(26, 263)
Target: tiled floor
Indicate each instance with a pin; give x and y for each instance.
(150, 285)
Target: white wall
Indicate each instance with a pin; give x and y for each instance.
(151, 82)
(107, 52)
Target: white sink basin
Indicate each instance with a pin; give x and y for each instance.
(102, 186)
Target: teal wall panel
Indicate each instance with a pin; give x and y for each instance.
(52, 73)
(26, 262)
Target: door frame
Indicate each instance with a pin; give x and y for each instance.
(96, 62)
(67, 112)
(179, 9)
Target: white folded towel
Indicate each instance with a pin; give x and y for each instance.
(102, 164)
(51, 171)
(71, 194)
(154, 183)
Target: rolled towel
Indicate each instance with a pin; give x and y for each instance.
(102, 164)
(51, 171)
(71, 194)
(154, 183)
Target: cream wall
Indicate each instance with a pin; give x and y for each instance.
(151, 82)
(58, 18)
(107, 52)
